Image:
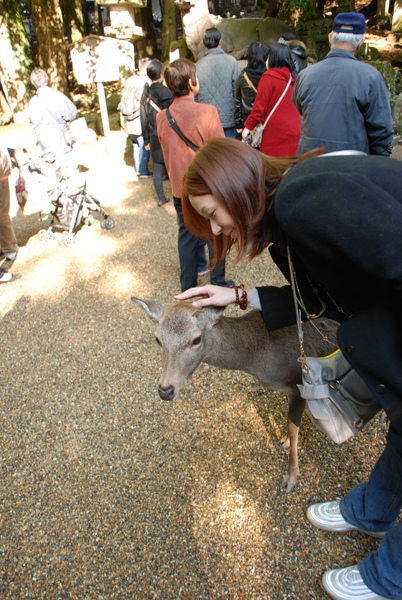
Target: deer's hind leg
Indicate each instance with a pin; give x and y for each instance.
(296, 405)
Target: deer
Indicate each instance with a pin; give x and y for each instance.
(189, 336)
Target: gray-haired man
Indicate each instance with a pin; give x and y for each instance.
(344, 103)
(50, 111)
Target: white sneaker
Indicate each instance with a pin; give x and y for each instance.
(11, 256)
(347, 584)
(327, 516)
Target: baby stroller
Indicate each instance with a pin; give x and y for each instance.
(72, 204)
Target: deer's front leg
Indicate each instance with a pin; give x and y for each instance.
(295, 412)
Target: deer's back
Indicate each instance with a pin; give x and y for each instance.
(272, 357)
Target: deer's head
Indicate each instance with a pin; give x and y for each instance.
(182, 334)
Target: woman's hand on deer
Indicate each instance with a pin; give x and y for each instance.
(209, 295)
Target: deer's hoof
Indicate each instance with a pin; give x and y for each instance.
(288, 484)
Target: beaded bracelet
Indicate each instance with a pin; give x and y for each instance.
(241, 302)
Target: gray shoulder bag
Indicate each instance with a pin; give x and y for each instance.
(339, 402)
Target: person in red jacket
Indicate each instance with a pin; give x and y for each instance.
(282, 132)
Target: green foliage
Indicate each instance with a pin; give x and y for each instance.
(11, 12)
(16, 29)
(298, 4)
(389, 74)
(181, 45)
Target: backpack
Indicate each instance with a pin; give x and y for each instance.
(130, 98)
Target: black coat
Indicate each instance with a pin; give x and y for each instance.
(342, 216)
(159, 94)
(245, 95)
(299, 54)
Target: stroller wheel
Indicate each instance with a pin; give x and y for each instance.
(45, 235)
(89, 220)
(109, 223)
(66, 239)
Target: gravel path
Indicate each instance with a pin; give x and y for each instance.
(109, 493)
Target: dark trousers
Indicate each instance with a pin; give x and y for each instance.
(188, 255)
(159, 173)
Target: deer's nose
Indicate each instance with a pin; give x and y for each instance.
(166, 393)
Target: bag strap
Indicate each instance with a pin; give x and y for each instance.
(250, 83)
(154, 105)
(297, 310)
(278, 102)
(298, 302)
(174, 126)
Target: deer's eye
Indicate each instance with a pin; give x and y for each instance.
(158, 341)
(196, 341)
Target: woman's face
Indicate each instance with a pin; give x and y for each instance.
(218, 216)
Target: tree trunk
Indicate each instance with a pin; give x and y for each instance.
(346, 5)
(73, 19)
(397, 16)
(52, 51)
(382, 8)
(16, 61)
(272, 8)
(146, 45)
(169, 27)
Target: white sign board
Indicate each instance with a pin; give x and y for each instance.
(96, 59)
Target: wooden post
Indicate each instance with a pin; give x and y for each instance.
(397, 16)
(104, 115)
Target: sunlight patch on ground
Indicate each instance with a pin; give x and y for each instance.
(46, 279)
(119, 283)
(227, 523)
(90, 248)
(279, 428)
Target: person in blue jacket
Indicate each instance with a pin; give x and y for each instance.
(343, 102)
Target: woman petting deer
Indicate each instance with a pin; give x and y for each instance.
(341, 216)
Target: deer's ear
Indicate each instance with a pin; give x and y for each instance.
(211, 314)
(153, 308)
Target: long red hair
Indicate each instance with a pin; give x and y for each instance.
(244, 181)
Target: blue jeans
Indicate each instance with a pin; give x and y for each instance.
(202, 264)
(141, 156)
(188, 255)
(159, 172)
(375, 506)
(229, 132)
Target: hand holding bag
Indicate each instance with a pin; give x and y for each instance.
(254, 138)
(68, 135)
(339, 402)
(20, 190)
